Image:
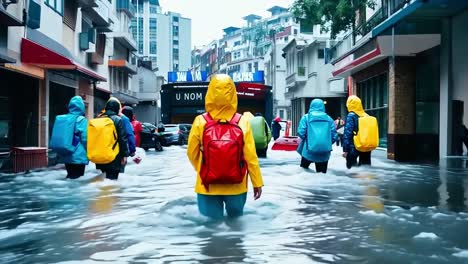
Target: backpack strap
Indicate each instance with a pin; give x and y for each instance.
(207, 117)
(235, 119)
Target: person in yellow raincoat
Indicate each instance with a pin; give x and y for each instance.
(350, 152)
(221, 104)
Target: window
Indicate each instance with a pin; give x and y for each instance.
(374, 95)
(153, 28)
(153, 10)
(175, 42)
(69, 14)
(175, 19)
(256, 66)
(153, 47)
(56, 5)
(295, 31)
(140, 46)
(140, 7)
(237, 43)
(175, 30)
(249, 67)
(281, 114)
(321, 53)
(237, 55)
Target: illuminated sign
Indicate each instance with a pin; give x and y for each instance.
(187, 76)
(258, 76)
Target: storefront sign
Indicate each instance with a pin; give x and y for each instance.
(251, 91)
(187, 76)
(188, 97)
(258, 76)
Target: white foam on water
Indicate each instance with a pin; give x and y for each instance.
(461, 254)
(374, 214)
(426, 235)
(9, 233)
(441, 216)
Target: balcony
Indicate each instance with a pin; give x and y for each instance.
(86, 3)
(125, 39)
(298, 77)
(370, 24)
(99, 15)
(123, 65)
(127, 7)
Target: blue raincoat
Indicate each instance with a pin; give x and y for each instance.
(316, 112)
(76, 107)
(130, 135)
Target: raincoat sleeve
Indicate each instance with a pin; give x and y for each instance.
(123, 138)
(138, 128)
(194, 144)
(82, 130)
(250, 156)
(334, 135)
(130, 135)
(348, 135)
(302, 129)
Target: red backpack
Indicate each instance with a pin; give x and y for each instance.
(223, 146)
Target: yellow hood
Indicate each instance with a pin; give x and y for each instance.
(221, 98)
(354, 104)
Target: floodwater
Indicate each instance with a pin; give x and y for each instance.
(387, 213)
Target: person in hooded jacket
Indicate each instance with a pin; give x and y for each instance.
(276, 128)
(137, 127)
(76, 162)
(351, 154)
(221, 104)
(316, 113)
(113, 169)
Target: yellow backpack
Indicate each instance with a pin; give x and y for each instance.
(367, 137)
(102, 143)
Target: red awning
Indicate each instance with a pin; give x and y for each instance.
(33, 53)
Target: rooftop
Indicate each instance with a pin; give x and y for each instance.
(276, 9)
(252, 17)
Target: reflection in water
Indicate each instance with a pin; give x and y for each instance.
(452, 191)
(105, 200)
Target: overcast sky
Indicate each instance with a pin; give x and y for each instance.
(209, 17)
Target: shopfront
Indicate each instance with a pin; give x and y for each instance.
(182, 101)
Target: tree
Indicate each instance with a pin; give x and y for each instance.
(333, 16)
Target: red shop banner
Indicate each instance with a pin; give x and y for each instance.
(251, 90)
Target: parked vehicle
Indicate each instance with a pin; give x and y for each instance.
(175, 134)
(150, 138)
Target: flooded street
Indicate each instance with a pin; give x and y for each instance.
(390, 213)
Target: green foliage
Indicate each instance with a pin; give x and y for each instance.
(334, 16)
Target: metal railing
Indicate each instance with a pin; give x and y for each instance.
(370, 24)
(126, 6)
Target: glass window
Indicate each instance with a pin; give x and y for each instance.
(175, 19)
(374, 95)
(321, 53)
(56, 5)
(140, 46)
(153, 47)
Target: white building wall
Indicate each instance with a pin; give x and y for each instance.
(164, 36)
(185, 43)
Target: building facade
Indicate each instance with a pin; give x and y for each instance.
(308, 76)
(405, 62)
(65, 48)
(164, 39)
